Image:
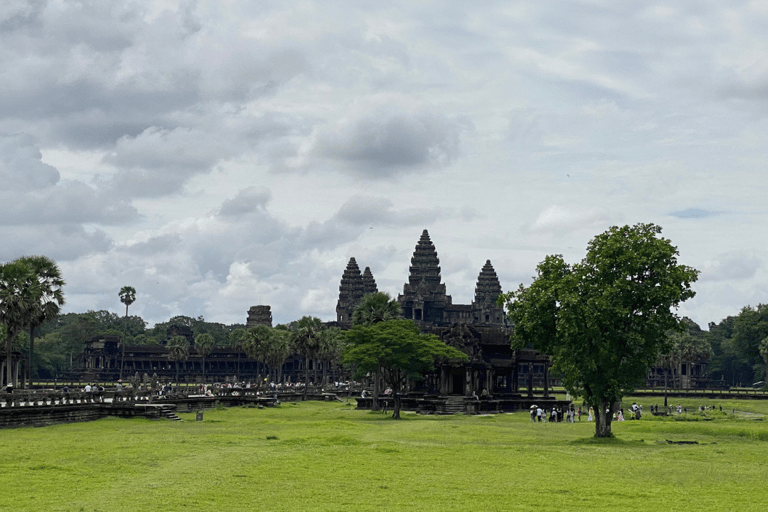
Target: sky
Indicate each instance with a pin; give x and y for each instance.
(217, 155)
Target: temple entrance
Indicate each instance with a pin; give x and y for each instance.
(457, 383)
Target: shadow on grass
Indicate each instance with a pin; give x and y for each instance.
(607, 441)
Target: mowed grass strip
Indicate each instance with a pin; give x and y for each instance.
(328, 456)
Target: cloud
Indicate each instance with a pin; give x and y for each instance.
(32, 192)
(21, 165)
(63, 242)
(733, 266)
(247, 201)
(692, 213)
(382, 137)
(558, 219)
(159, 162)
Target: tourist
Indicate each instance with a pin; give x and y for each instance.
(87, 388)
(579, 413)
(620, 416)
(539, 413)
(591, 414)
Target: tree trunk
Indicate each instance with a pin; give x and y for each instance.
(125, 328)
(603, 419)
(31, 351)
(306, 376)
(396, 411)
(376, 390)
(9, 379)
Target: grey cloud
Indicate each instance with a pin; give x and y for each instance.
(732, 267)
(65, 203)
(32, 192)
(389, 140)
(63, 242)
(156, 245)
(159, 162)
(20, 14)
(247, 200)
(21, 165)
(692, 213)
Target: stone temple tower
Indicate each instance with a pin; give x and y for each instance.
(424, 298)
(259, 315)
(351, 290)
(369, 283)
(484, 307)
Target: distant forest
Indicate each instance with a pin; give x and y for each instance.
(737, 347)
(60, 341)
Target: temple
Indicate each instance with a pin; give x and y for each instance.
(478, 329)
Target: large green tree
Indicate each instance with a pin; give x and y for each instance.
(398, 351)
(237, 342)
(19, 299)
(604, 321)
(204, 344)
(751, 327)
(308, 342)
(332, 349)
(48, 301)
(374, 308)
(764, 354)
(178, 350)
(256, 343)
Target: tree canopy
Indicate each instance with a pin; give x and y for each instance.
(604, 321)
(398, 351)
(376, 307)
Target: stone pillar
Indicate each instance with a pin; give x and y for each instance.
(546, 380)
(530, 379)
(467, 381)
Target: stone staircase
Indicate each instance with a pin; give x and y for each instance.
(455, 405)
(169, 412)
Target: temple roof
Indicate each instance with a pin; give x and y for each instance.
(369, 283)
(488, 287)
(351, 287)
(425, 265)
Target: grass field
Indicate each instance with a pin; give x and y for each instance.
(328, 456)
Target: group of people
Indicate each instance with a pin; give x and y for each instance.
(555, 415)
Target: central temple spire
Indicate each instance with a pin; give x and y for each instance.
(424, 297)
(425, 265)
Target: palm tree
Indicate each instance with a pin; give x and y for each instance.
(236, 341)
(255, 343)
(50, 297)
(178, 350)
(307, 339)
(332, 347)
(127, 296)
(19, 296)
(278, 348)
(374, 308)
(204, 343)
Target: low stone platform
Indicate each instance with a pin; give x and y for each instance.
(456, 404)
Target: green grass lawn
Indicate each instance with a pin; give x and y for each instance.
(328, 456)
